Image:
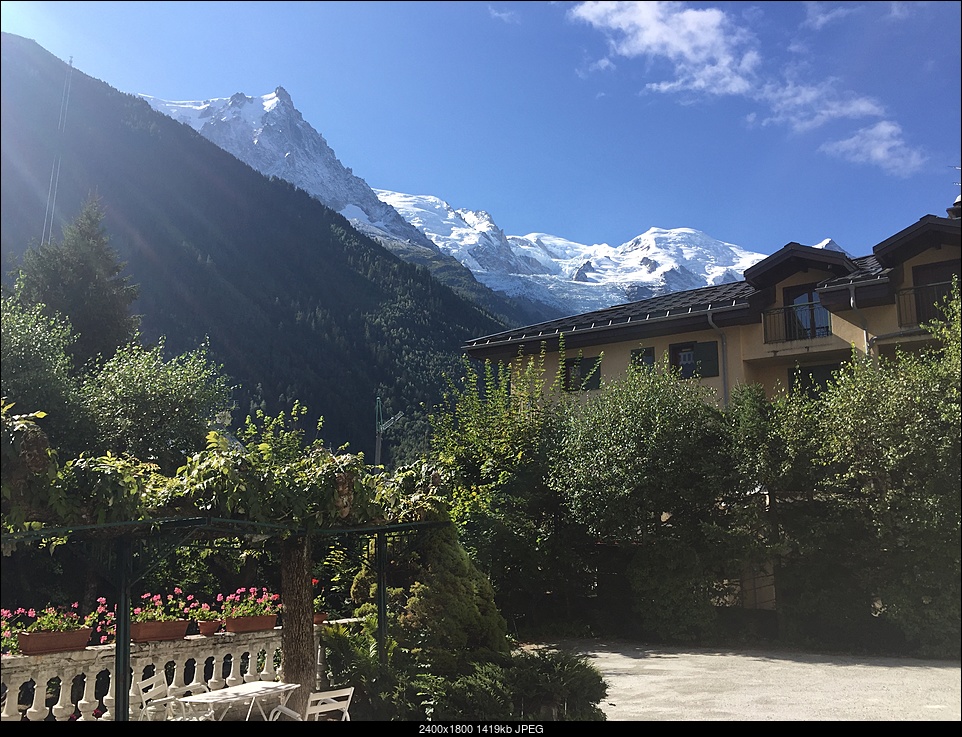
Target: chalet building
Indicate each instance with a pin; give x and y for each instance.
(795, 318)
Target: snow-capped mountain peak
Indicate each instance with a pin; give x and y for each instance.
(269, 134)
(559, 275)
(829, 245)
(573, 277)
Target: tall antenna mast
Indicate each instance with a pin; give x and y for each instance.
(381, 427)
(47, 234)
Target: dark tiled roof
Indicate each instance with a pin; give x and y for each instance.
(867, 268)
(675, 304)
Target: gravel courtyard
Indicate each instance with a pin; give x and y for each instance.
(668, 684)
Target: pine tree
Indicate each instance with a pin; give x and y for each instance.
(80, 279)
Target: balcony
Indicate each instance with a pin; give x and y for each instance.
(227, 659)
(805, 321)
(919, 305)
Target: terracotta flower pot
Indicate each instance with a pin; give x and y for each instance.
(251, 624)
(320, 617)
(153, 631)
(209, 627)
(37, 643)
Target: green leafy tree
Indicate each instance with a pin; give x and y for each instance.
(155, 408)
(646, 462)
(81, 279)
(891, 443)
(38, 374)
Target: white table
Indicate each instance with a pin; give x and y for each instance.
(253, 691)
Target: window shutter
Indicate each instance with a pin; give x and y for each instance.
(706, 358)
(591, 373)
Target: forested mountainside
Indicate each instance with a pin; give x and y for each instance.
(296, 303)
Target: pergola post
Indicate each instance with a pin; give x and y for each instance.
(381, 555)
(122, 653)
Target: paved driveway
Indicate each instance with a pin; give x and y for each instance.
(668, 684)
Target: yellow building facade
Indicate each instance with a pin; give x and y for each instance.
(797, 316)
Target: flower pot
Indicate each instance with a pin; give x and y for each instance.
(320, 617)
(153, 631)
(251, 624)
(37, 643)
(208, 628)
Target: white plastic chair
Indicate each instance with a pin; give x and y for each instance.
(155, 701)
(159, 703)
(320, 705)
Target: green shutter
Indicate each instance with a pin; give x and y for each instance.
(706, 358)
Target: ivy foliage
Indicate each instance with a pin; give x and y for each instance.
(270, 475)
(497, 438)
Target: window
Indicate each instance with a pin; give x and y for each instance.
(643, 356)
(582, 374)
(810, 379)
(695, 358)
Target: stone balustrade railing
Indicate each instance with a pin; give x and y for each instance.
(224, 659)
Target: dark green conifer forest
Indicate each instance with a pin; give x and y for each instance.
(296, 304)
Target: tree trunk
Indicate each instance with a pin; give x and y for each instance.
(297, 636)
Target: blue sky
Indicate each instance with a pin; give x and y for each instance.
(757, 123)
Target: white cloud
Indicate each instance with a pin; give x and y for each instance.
(708, 51)
(711, 54)
(804, 107)
(503, 15)
(819, 15)
(882, 145)
(602, 65)
(900, 10)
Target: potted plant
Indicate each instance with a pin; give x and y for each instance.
(50, 630)
(251, 610)
(104, 621)
(208, 619)
(159, 617)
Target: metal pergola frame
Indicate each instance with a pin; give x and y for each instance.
(174, 532)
